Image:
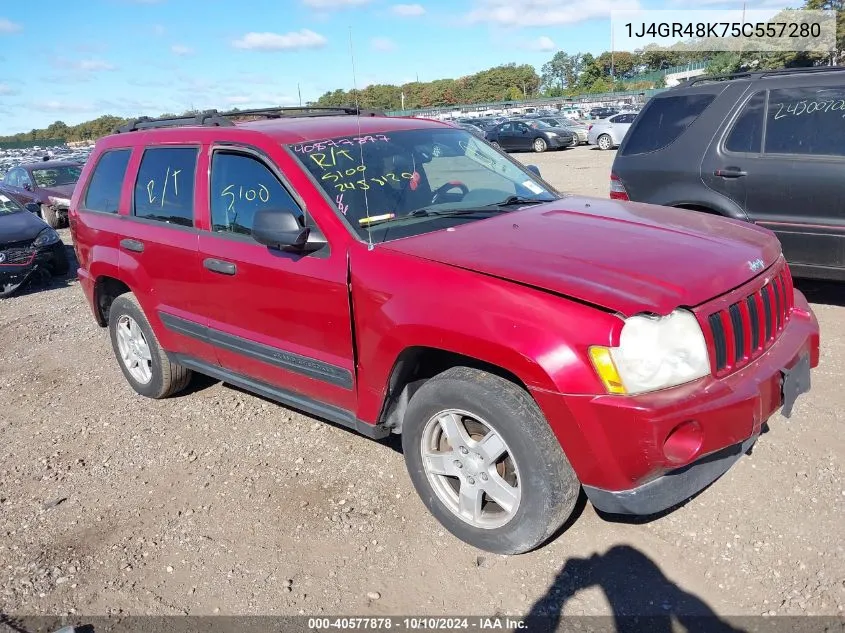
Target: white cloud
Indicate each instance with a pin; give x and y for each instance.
(304, 38)
(542, 43)
(7, 26)
(180, 49)
(383, 44)
(545, 12)
(7, 91)
(93, 65)
(334, 4)
(408, 10)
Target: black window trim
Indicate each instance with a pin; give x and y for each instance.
(751, 92)
(143, 149)
(83, 199)
(262, 156)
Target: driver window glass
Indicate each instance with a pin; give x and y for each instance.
(24, 179)
(241, 185)
(12, 178)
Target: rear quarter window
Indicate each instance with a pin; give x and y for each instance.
(663, 120)
(103, 192)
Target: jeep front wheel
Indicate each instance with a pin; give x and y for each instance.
(485, 461)
(144, 364)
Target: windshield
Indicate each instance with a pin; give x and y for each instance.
(55, 176)
(539, 124)
(7, 205)
(420, 180)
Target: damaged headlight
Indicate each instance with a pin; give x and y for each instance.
(45, 238)
(653, 353)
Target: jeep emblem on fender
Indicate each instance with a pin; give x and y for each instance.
(756, 265)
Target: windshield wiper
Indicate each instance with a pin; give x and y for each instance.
(512, 200)
(427, 212)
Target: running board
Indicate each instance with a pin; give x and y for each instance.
(290, 399)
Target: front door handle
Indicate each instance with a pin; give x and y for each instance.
(730, 172)
(132, 245)
(219, 266)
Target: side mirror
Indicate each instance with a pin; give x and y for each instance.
(27, 186)
(534, 170)
(31, 206)
(280, 228)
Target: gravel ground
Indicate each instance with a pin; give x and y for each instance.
(217, 501)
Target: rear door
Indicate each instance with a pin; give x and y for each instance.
(159, 246)
(783, 160)
(796, 187)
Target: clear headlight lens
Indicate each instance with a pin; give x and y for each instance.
(59, 202)
(46, 237)
(653, 353)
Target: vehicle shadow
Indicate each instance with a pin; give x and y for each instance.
(640, 596)
(830, 293)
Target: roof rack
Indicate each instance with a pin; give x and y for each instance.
(759, 74)
(213, 118)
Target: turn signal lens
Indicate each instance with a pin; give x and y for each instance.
(606, 369)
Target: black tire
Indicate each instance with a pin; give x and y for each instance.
(608, 142)
(495, 144)
(539, 144)
(49, 215)
(549, 485)
(574, 142)
(61, 265)
(167, 378)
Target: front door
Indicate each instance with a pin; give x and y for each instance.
(522, 137)
(279, 318)
(16, 182)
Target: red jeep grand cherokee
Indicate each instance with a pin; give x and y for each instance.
(398, 275)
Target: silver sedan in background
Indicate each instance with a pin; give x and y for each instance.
(608, 133)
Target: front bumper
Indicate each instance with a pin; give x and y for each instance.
(556, 142)
(625, 462)
(43, 258)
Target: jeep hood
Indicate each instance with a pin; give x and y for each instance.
(623, 256)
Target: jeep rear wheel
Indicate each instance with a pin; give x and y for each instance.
(144, 364)
(485, 462)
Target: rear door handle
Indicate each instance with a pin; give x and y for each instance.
(730, 172)
(132, 245)
(219, 266)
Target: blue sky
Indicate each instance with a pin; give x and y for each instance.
(74, 61)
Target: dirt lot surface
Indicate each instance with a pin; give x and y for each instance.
(217, 501)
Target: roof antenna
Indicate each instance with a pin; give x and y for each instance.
(361, 145)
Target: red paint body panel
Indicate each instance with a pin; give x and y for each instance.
(629, 257)
(527, 291)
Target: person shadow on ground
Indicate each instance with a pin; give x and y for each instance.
(641, 597)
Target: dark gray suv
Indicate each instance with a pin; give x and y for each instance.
(764, 147)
